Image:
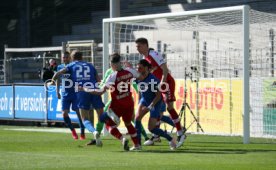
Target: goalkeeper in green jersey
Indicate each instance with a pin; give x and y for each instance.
(100, 125)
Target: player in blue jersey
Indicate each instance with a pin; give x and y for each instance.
(68, 98)
(150, 101)
(85, 75)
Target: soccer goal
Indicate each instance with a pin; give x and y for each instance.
(228, 55)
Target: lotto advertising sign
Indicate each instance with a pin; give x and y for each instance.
(219, 105)
(6, 102)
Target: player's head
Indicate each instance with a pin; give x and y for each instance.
(76, 55)
(115, 61)
(142, 45)
(66, 57)
(144, 67)
(52, 62)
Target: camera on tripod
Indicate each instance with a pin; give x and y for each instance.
(194, 68)
(192, 74)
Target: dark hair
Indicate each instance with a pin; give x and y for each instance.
(142, 41)
(76, 55)
(66, 54)
(115, 58)
(145, 63)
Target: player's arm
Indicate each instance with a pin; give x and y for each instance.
(135, 86)
(106, 75)
(98, 78)
(108, 85)
(155, 100)
(153, 103)
(57, 87)
(136, 75)
(165, 72)
(59, 73)
(93, 91)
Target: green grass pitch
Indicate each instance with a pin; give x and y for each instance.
(45, 150)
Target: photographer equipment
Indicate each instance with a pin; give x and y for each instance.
(185, 104)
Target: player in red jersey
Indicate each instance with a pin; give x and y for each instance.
(122, 103)
(160, 70)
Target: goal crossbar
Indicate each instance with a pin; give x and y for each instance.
(36, 49)
(175, 14)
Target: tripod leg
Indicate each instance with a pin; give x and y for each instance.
(195, 119)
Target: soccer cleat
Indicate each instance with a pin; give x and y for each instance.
(125, 144)
(97, 138)
(136, 148)
(172, 145)
(148, 142)
(92, 142)
(156, 139)
(74, 134)
(180, 140)
(152, 140)
(82, 136)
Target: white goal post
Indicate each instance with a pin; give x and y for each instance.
(219, 43)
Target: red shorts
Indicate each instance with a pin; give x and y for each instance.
(168, 95)
(125, 113)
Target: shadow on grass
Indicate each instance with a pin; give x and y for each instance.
(208, 151)
(207, 147)
(193, 151)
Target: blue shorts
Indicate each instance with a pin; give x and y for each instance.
(67, 101)
(163, 107)
(85, 100)
(155, 111)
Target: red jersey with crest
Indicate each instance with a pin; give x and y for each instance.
(156, 60)
(119, 83)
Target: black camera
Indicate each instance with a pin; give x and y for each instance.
(194, 68)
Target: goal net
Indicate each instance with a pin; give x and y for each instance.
(228, 55)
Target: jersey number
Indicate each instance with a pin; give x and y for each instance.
(83, 71)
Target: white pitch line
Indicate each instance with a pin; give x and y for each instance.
(52, 130)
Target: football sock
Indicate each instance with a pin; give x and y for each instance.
(175, 119)
(82, 128)
(132, 132)
(115, 132)
(99, 126)
(88, 126)
(160, 132)
(138, 128)
(143, 132)
(68, 122)
(167, 120)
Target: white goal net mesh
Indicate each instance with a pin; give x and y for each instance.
(213, 44)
